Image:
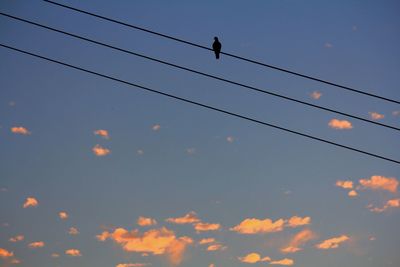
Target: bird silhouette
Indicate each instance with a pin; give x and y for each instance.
(216, 47)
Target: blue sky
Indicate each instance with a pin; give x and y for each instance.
(240, 182)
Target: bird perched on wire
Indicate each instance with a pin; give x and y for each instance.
(216, 47)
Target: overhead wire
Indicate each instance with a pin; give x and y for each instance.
(197, 72)
(201, 104)
(225, 53)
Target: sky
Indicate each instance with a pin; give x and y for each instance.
(99, 173)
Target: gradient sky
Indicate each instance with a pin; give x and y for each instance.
(253, 196)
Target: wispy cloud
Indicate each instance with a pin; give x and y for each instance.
(298, 240)
(392, 203)
(378, 182)
(145, 221)
(102, 133)
(333, 242)
(230, 139)
(73, 252)
(253, 258)
(297, 221)
(376, 115)
(31, 202)
(328, 45)
(73, 231)
(17, 238)
(285, 261)
(20, 130)
(203, 227)
(132, 264)
(216, 247)
(37, 244)
(340, 124)
(396, 113)
(205, 241)
(257, 226)
(189, 218)
(100, 151)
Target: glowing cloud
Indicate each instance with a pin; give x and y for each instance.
(37, 244)
(132, 264)
(333, 242)
(17, 238)
(353, 193)
(189, 218)
(298, 240)
(253, 258)
(5, 253)
(344, 184)
(103, 133)
(297, 221)
(340, 124)
(207, 241)
(30, 202)
(156, 241)
(377, 182)
(392, 203)
(316, 95)
(203, 227)
(285, 261)
(144, 221)
(73, 231)
(376, 116)
(100, 151)
(256, 226)
(20, 130)
(73, 252)
(215, 247)
(63, 215)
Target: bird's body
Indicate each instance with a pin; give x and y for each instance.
(216, 47)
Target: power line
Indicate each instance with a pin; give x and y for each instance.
(225, 53)
(202, 105)
(198, 72)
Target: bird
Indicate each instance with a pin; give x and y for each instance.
(216, 47)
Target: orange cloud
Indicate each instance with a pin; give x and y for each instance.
(20, 130)
(285, 261)
(63, 215)
(316, 95)
(256, 226)
(100, 151)
(144, 221)
(207, 241)
(298, 240)
(296, 221)
(215, 247)
(345, 184)
(73, 231)
(4, 253)
(202, 227)
(340, 124)
(211, 265)
(378, 182)
(73, 252)
(253, 258)
(333, 242)
(37, 244)
(392, 203)
(189, 218)
(102, 133)
(16, 238)
(30, 202)
(353, 193)
(156, 241)
(132, 264)
(376, 116)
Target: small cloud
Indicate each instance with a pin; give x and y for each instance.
(191, 151)
(100, 151)
(392, 203)
(377, 182)
(211, 265)
(298, 240)
(55, 255)
(230, 139)
(257, 226)
(354, 28)
(316, 95)
(189, 218)
(203, 227)
(205, 241)
(37, 244)
(132, 264)
(376, 115)
(63, 215)
(140, 152)
(12, 103)
(216, 247)
(297, 221)
(4, 253)
(344, 184)
(20, 130)
(30, 202)
(144, 221)
(3, 189)
(396, 113)
(328, 45)
(285, 261)
(253, 258)
(372, 238)
(102, 133)
(73, 231)
(352, 193)
(156, 127)
(340, 124)
(73, 252)
(332, 242)
(17, 238)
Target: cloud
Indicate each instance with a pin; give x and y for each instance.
(285, 261)
(191, 151)
(298, 240)
(100, 151)
(297, 221)
(73, 231)
(207, 241)
(332, 242)
(132, 264)
(316, 95)
(340, 124)
(253, 258)
(396, 113)
(189, 218)
(30, 202)
(328, 45)
(102, 133)
(392, 203)
(211, 265)
(344, 184)
(230, 139)
(55, 255)
(140, 151)
(377, 182)
(353, 193)
(37, 244)
(215, 247)
(17, 238)
(203, 227)
(156, 241)
(4, 253)
(144, 221)
(156, 127)
(376, 116)
(73, 252)
(63, 215)
(20, 130)
(256, 226)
